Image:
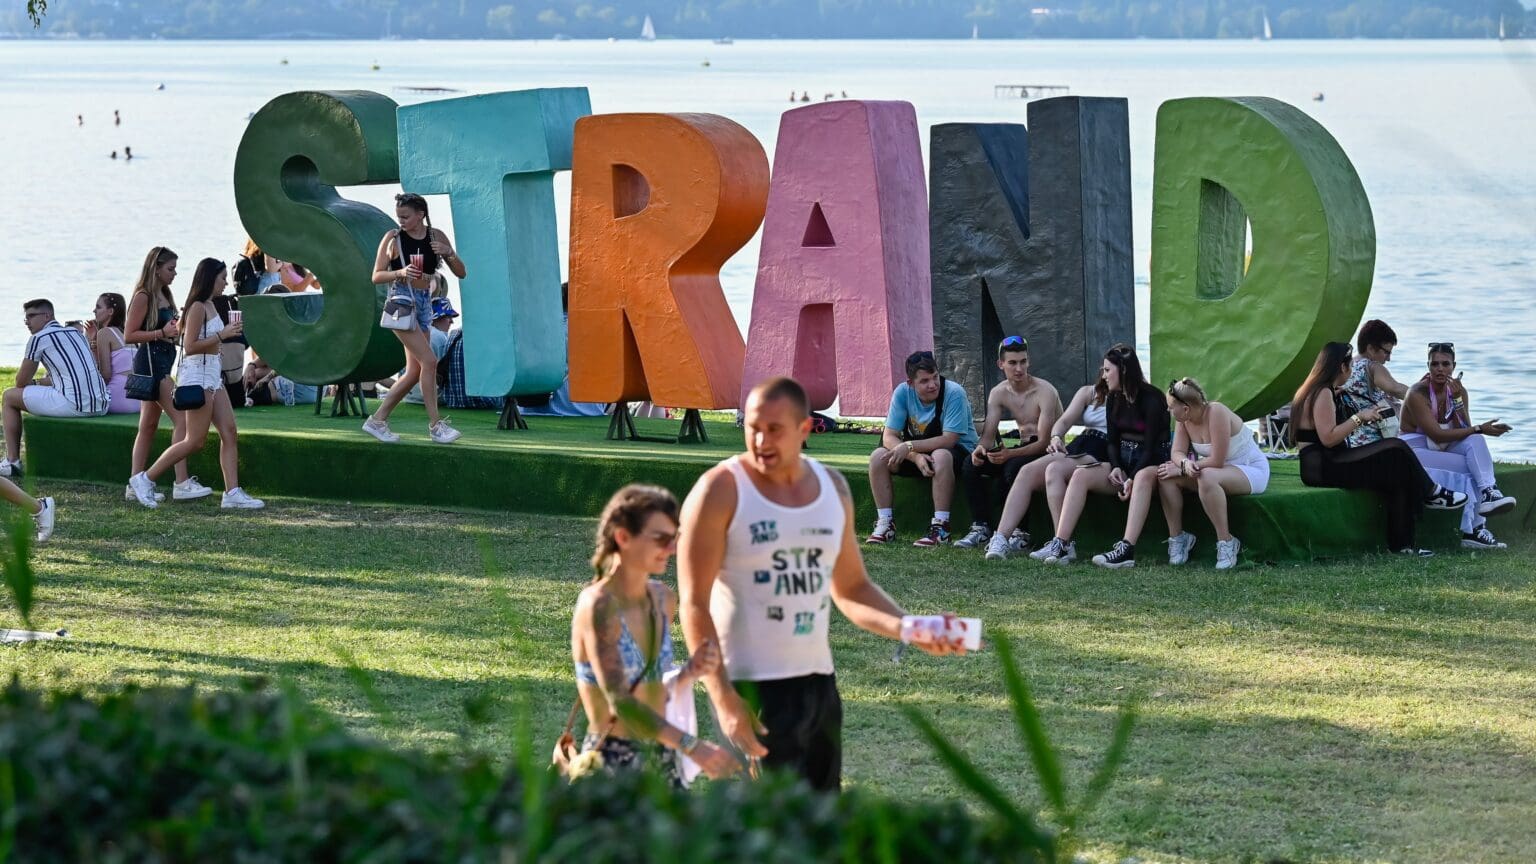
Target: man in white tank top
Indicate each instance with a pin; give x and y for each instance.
(767, 548)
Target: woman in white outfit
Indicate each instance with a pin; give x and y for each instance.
(203, 331)
(1228, 462)
(1454, 452)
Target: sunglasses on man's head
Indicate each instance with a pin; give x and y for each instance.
(1437, 346)
(1011, 341)
(919, 356)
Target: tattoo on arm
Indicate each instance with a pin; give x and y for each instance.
(641, 721)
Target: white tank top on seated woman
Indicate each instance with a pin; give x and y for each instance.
(1096, 417)
(773, 598)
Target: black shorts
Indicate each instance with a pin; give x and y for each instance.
(154, 359)
(907, 469)
(804, 717)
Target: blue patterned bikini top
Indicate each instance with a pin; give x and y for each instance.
(633, 657)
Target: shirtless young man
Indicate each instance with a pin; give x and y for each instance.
(1031, 402)
(767, 547)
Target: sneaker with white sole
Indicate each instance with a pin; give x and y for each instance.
(236, 499)
(44, 519)
(1482, 538)
(1226, 553)
(976, 538)
(1445, 499)
(442, 433)
(129, 496)
(1493, 502)
(1409, 550)
(1018, 540)
(1178, 548)
(143, 490)
(1051, 547)
(380, 430)
(189, 490)
(885, 532)
(1065, 553)
(998, 548)
(1119, 556)
(10, 469)
(938, 535)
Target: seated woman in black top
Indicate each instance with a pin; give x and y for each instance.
(1137, 426)
(1387, 467)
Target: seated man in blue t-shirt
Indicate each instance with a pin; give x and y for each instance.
(928, 433)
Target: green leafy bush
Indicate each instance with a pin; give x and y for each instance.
(258, 775)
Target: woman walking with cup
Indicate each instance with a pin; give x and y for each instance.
(151, 325)
(202, 392)
(407, 260)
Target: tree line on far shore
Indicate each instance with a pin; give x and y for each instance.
(827, 19)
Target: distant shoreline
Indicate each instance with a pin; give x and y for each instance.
(69, 37)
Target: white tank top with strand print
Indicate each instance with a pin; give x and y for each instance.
(773, 598)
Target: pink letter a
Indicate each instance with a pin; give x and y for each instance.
(842, 279)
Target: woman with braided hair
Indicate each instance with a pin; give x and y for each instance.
(407, 259)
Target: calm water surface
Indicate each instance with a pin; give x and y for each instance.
(1441, 132)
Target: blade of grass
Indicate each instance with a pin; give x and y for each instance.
(1114, 757)
(971, 778)
(1032, 733)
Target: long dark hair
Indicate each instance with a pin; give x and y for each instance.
(629, 508)
(1333, 356)
(119, 308)
(1132, 379)
(208, 270)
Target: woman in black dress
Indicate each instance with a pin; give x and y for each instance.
(1387, 467)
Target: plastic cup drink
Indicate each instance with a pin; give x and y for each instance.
(418, 260)
(234, 316)
(932, 628)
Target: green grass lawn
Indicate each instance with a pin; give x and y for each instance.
(1370, 709)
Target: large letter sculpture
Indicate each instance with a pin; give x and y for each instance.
(842, 280)
(295, 152)
(496, 156)
(1032, 237)
(1250, 338)
(658, 203)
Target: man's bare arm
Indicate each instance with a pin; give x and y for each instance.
(706, 516)
(856, 595)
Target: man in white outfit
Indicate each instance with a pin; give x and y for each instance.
(767, 546)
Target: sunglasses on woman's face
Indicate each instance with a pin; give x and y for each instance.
(665, 539)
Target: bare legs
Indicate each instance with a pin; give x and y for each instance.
(1213, 485)
(149, 422)
(420, 367)
(1030, 480)
(195, 436)
(881, 490)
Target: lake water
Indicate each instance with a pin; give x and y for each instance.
(1442, 134)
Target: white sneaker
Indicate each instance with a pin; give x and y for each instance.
(10, 469)
(143, 490)
(1018, 540)
(190, 490)
(129, 496)
(1065, 553)
(236, 499)
(1226, 553)
(975, 538)
(380, 430)
(1178, 547)
(44, 519)
(998, 548)
(442, 433)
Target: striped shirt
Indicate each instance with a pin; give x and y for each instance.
(65, 353)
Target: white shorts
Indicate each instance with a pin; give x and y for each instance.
(47, 401)
(1256, 468)
(202, 370)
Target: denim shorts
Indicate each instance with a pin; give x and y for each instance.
(422, 299)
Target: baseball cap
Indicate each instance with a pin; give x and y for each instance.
(441, 308)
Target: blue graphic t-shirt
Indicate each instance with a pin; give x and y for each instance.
(909, 414)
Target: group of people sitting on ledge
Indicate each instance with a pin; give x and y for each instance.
(1138, 443)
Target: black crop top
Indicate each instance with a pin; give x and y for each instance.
(409, 246)
(1146, 417)
(1310, 436)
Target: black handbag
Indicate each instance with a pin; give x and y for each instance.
(188, 397)
(139, 386)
